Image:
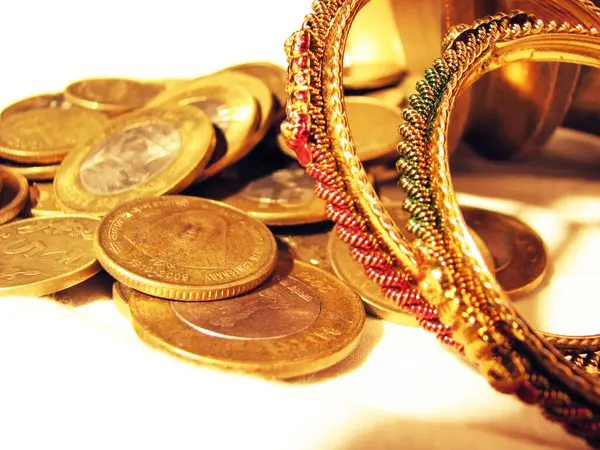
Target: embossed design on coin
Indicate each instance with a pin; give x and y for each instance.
(220, 113)
(185, 248)
(46, 254)
(307, 324)
(111, 94)
(280, 307)
(129, 158)
(310, 248)
(282, 187)
(45, 136)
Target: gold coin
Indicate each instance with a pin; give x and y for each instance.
(146, 153)
(42, 101)
(232, 110)
(120, 294)
(300, 321)
(280, 195)
(185, 248)
(116, 95)
(31, 172)
(519, 253)
(354, 274)
(372, 76)
(46, 136)
(14, 194)
(307, 244)
(46, 254)
(383, 170)
(273, 75)
(374, 127)
(42, 201)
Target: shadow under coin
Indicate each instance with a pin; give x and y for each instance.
(371, 336)
(97, 288)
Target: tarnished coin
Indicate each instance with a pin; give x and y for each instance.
(273, 76)
(185, 248)
(273, 193)
(42, 101)
(42, 201)
(374, 127)
(146, 153)
(30, 171)
(233, 112)
(46, 254)
(519, 253)
(307, 244)
(300, 321)
(14, 194)
(46, 136)
(116, 95)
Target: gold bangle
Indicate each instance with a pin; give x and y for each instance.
(512, 356)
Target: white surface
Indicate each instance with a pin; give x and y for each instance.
(77, 377)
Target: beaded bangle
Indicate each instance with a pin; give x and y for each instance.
(440, 278)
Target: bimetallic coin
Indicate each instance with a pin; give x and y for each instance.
(114, 95)
(282, 197)
(232, 110)
(42, 201)
(146, 153)
(43, 101)
(46, 136)
(31, 172)
(14, 194)
(300, 321)
(185, 248)
(46, 254)
(519, 253)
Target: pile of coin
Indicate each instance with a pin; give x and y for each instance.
(185, 193)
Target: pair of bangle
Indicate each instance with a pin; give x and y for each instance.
(441, 278)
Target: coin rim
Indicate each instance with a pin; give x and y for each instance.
(173, 291)
(182, 170)
(64, 280)
(45, 172)
(18, 202)
(150, 316)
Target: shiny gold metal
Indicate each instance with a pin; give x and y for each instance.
(42, 201)
(42, 101)
(307, 244)
(45, 255)
(120, 294)
(112, 95)
(31, 172)
(185, 248)
(275, 194)
(14, 194)
(232, 109)
(584, 113)
(38, 136)
(300, 321)
(146, 153)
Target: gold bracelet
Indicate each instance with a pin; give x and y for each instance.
(444, 260)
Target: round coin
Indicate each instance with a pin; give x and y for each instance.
(307, 244)
(519, 253)
(42, 101)
(42, 201)
(14, 194)
(46, 254)
(31, 172)
(115, 95)
(232, 110)
(46, 136)
(120, 294)
(300, 321)
(185, 248)
(146, 153)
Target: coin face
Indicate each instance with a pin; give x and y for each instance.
(43, 101)
(141, 154)
(30, 171)
(232, 110)
(518, 251)
(185, 248)
(111, 94)
(300, 321)
(38, 136)
(128, 158)
(372, 76)
(46, 254)
(42, 201)
(309, 247)
(14, 194)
